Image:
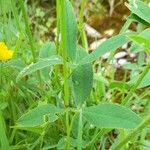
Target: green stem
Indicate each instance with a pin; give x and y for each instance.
(3, 138)
(1, 72)
(67, 146)
(133, 89)
(58, 26)
(12, 136)
(57, 68)
(31, 41)
(126, 26)
(63, 30)
(64, 50)
(99, 134)
(80, 125)
(81, 25)
(18, 42)
(131, 135)
(70, 126)
(15, 14)
(4, 19)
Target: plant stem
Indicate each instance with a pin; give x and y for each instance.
(58, 25)
(81, 25)
(131, 135)
(133, 89)
(3, 138)
(57, 68)
(4, 19)
(31, 41)
(126, 26)
(63, 30)
(15, 14)
(64, 50)
(99, 134)
(67, 146)
(70, 126)
(80, 128)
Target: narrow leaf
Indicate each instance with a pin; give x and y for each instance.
(38, 66)
(71, 32)
(141, 40)
(140, 8)
(135, 18)
(107, 46)
(144, 83)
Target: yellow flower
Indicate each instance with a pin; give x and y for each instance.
(5, 53)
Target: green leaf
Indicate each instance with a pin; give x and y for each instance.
(119, 85)
(16, 64)
(39, 115)
(71, 32)
(107, 46)
(3, 105)
(111, 116)
(136, 18)
(140, 8)
(5, 5)
(73, 143)
(37, 130)
(55, 60)
(145, 33)
(144, 83)
(82, 79)
(141, 40)
(47, 51)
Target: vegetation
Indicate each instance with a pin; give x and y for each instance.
(56, 95)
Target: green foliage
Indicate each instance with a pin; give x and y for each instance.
(115, 42)
(44, 113)
(46, 52)
(145, 82)
(54, 60)
(141, 40)
(82, 79)
(63, 97)
(111, 116)
(71, 31)
(3, 138)
(140, 9)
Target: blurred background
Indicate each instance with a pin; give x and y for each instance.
(105, 16)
